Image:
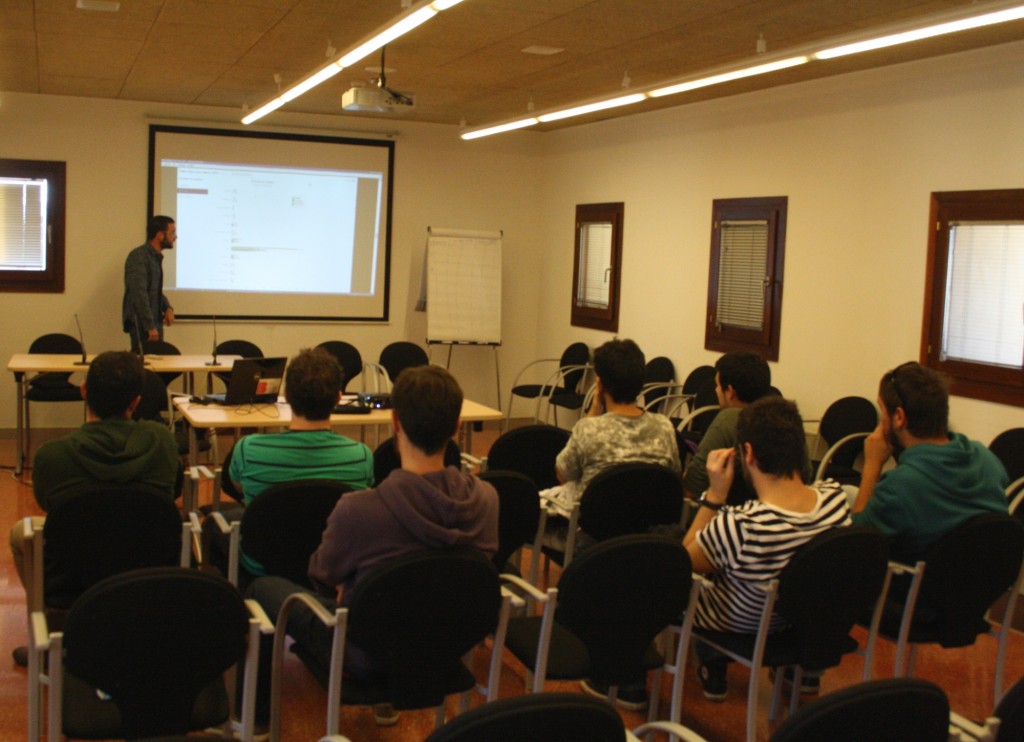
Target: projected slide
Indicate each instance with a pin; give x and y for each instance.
(273, 226)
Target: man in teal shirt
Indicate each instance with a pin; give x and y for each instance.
(941, 479)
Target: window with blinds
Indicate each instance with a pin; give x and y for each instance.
(745, 277)
(974, 303)
(32, 225)
(22, 224)
(598, 260)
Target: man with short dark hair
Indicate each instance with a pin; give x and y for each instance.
(109, 447)
(741, 378)
(144, 309)
(941, 479)
(422, 505)
(741, 547)
(309, 449)
(614, 431)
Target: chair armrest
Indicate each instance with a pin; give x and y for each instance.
(827, 458)
(964, 730)
(687, 421)
(528, 366)
(674, 730)
(475, 462)
(514, 600)
(533, 592)
(1015, 490)
(259, 616)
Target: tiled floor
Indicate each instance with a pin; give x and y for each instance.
(965, 674)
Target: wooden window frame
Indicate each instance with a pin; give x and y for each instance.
(967, 379)
(606, 319)
(50, 280)
(764, 342)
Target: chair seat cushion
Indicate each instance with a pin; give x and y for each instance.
(87, 716)
(929, 630)
(64, 392)
(780, 650)
(537, 390)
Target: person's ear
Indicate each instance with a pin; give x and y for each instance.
(81, 390)
(395, 425)
(898, 419)
(131, 407)
(748, 454)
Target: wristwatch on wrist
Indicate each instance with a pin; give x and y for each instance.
(706, 503)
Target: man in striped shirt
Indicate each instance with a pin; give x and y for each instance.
(737, 546)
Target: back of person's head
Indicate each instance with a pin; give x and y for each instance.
(773, 428)
(113, 382)
(923, 393)
(427, 402)
(620, 366)
(312, 382)
(158, 224)
(747, 373)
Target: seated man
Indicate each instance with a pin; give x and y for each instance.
(422, 505)
(737, 546)
(614, 431)
(309, 449)
(108, 447)
(741, 378)
(941, 480)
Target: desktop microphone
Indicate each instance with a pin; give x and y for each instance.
(214, 361)
(81, 340)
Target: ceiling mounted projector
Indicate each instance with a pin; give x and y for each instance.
(376, 100)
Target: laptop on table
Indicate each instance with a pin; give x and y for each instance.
(252, 380)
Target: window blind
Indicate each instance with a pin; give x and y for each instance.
(22, 224)
(984, 320)
(743, 266)
(596, 261)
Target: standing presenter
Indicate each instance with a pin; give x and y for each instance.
(145, 310)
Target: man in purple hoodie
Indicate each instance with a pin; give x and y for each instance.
(423, 505)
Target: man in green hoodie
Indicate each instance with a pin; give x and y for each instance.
(941, 480)
(109, 447)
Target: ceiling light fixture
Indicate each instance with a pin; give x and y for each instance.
(937, 25)
(416, 15)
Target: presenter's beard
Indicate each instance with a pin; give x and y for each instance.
(167, 245)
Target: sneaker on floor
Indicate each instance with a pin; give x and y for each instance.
(810, 683)
(385, 715)
(714, 680)
(629, 697)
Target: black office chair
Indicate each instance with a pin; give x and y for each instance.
(144, 653)
(1004, 724)
(281, 529)
(943, 599)
(694, 424)
(842, 429)
(600, 623)
(828, 584)
(349, 358)
(659, 383)
(529, 450)
(386, 458)
(415, 617)
(565, 379)
(395, 358)
(1008, 447)
(894, 710)
(50, 387)
(520, 519)
(242, 348)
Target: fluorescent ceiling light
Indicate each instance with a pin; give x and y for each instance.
(414, 17)
(988, 19)
(499, 129)
(624, 100)
(704, 82)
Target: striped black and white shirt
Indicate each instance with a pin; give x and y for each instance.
(752, 543)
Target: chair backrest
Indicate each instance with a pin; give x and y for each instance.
(659, 370)
(282, 527)
(349, 358)
(577, 354)
(154, 398)
(160, 347)
(966, 571)
(630, 498)
(518, 512)
(618, 595)
(699, 378)
(538, 717)
(530, 450)
(103, 530)
(705, 397)
(831, 582)
(417, 615)
(54, 342)
(843, 417)
(890, 710)
(396, 357)
(1008, 447)
(153, 639)
(1010, 712)
(386, 458)
(242, 348)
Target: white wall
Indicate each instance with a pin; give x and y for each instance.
(857, 156)
(439, 181)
